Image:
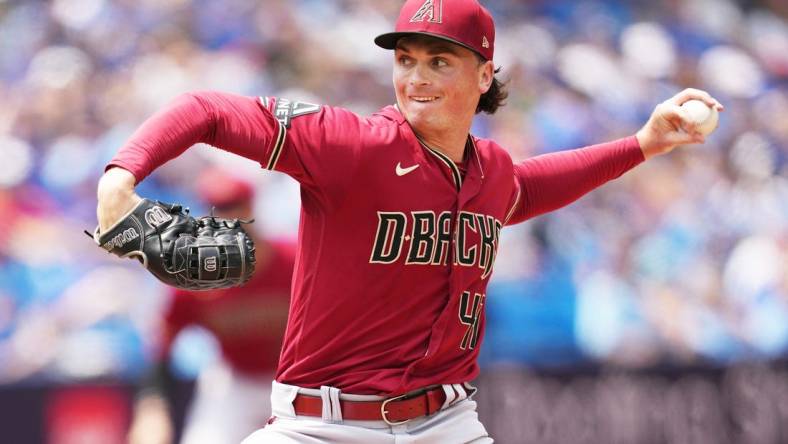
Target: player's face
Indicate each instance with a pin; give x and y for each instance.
(438, 84)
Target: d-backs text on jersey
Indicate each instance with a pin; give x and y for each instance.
(429, 239)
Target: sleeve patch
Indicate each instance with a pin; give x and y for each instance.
(286, 110)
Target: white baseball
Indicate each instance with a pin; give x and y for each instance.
(704, 117)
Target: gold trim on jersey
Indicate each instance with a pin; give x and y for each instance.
(455, 171)
(277, 151)
(514, 206)
(476, 154)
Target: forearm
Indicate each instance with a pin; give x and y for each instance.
(554, 180)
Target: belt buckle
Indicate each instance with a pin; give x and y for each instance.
(384, 412)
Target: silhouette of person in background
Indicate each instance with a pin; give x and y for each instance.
(231, 397)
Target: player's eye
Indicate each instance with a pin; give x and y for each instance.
(439, 62)
(404, 60)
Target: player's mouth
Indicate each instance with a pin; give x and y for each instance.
(423, 99)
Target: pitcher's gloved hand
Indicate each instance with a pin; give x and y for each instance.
(181, 251)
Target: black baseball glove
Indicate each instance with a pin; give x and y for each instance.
(181, 251)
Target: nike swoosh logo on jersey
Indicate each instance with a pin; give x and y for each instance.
(403, 171)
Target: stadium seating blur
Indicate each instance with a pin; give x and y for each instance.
(682, 263)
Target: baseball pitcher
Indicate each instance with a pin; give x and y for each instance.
(400, 224)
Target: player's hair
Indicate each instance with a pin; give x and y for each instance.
(494, 98)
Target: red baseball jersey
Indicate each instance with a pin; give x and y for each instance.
(248, 322)
(396, 243)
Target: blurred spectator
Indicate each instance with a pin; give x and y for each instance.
(231, 399)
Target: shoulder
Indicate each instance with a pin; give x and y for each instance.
(288, 112)
(335, 121)
(383, 129)
(388, 126)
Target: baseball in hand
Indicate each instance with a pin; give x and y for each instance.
(704, 116)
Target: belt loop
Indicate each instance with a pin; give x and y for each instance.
(332, 411)
(461, 393)
(448, 389)
(471, 390)
(336, 406)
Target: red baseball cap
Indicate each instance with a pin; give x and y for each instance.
(464, 22)
(220, 188)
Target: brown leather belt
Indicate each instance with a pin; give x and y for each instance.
(392, 411)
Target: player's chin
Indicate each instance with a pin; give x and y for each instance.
(423, 110)
(420, 118)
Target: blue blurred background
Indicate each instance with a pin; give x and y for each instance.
(682, 263)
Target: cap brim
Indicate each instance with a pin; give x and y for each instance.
(389, 40)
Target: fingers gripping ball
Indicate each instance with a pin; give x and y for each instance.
(181, 251)
(704, 117)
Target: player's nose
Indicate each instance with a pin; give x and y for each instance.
(418, 76)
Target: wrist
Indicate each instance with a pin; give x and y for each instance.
(116, 182)
(647, 146)
(116, 197)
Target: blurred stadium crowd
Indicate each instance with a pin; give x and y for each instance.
(682, 261)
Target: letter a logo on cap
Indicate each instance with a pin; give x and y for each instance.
(428, 10)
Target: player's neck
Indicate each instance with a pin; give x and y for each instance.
(450, 143)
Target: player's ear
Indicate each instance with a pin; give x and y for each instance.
(486, 76)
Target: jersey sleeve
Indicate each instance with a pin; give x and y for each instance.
(317, 145)
(230, 122)
(551, 181)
